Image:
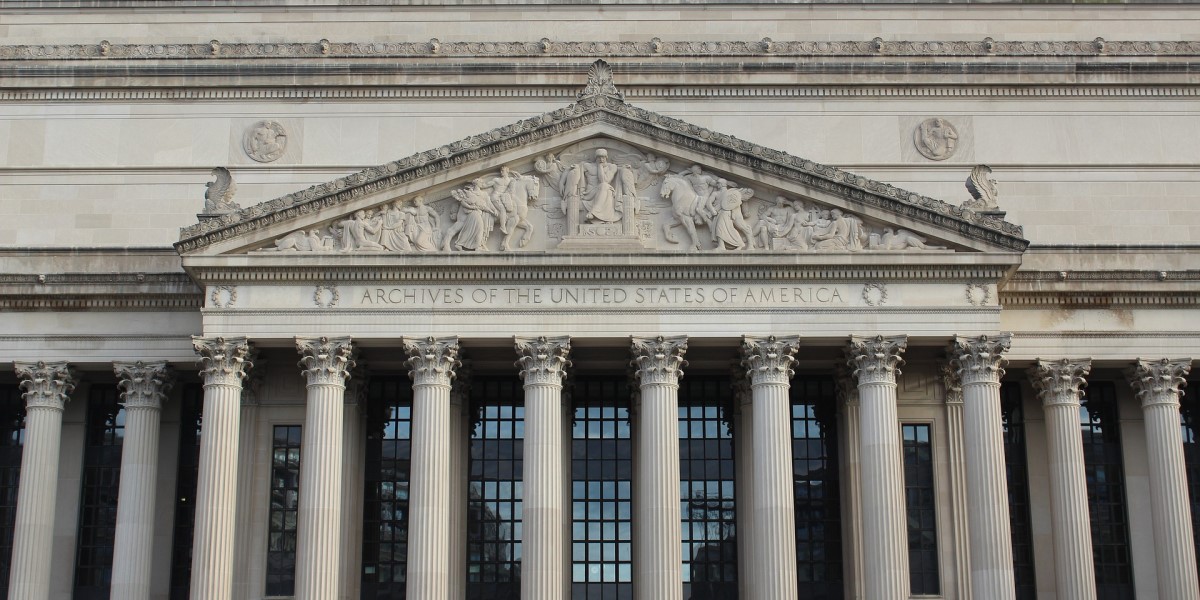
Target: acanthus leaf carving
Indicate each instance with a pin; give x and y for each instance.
(1060, 381)
(980, 359)
(1158, 381)
(431, 360)
(543, 360)
(142, 384)
(45, 384)
(325, 361)
(223, 361)
(769, 360)
(876, 359)
(658, 360)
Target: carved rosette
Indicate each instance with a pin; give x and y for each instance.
(223, 361)
(46, 384)
(144, 385)
(325, 361)
(659, 360)
(980, 359)
(1158, 381)
(543, 361)
(1060, 381)
(431, 361)
(952, 383)
(876, 359)
(769, 360)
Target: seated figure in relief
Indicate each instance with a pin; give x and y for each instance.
(361, 232)
(423, 226)
(775, 222)
(475, 219)
(844, 234)
(394, 234)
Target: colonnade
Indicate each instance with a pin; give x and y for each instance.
(659, 362)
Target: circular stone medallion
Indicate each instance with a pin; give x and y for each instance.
(265, 141)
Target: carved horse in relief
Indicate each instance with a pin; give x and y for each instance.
(688, 209)
(524, 190)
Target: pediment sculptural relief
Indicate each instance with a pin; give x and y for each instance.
(607, 194)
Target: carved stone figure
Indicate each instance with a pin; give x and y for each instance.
(474, 221)
(776, 221)
(730, 224)
(265, 141)
(600, 187)
(936, 139)
(704, 184)
(303, 241)
(687, 209)
(394, 234)
(512, 193)
(423, 226)
(984, 190)
(361, 232)
(843, 234)
(218, 197)
(899, 239)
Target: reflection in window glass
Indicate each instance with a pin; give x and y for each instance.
(601, 491)
(816, 488)
(706, 489)
(494, 490)
(1189, 415)
(12, 438)
(187, 473)
(98, 506)
(285, 496)
(1103, 464)
(1013, 415)
(385, 495)
(922, 514)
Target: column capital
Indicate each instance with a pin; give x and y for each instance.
(253, 384)
(1060, 381)
(223, 361)
(740, 384)
(144, 384)
(658, 360)
(431, 360)
(543, 360)
(980, 359)
(952, 383)
(1158, 381)
(325, 361)
(876, 359)
(769, 359)
(847, 387)
(46, 384)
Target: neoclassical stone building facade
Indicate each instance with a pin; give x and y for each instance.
(659, 301)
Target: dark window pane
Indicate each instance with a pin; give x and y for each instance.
(1189, 415)
(185, 490)
(12, 439)
(385, 496)
(816, 488)
(495, 490)
(281, 521)
(921, 504)
(708, 507)
(1106, 492)
(98, 505)
(1013, 415)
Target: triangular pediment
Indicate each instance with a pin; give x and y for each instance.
(601, 175)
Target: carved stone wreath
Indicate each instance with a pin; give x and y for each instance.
(978, 294)
(265, 141)
(874, 294)
(223, 296)
(326, 296)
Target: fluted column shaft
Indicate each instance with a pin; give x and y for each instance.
(224, 362)
(658, 572)
(980, 363)
(325, 364)
(958, 481)
(850, 426)
(459, 471)
(542, 362)
(143, 388)
(744, 454)
(1059, 386)
(768, 363)
(885, 530)
(47, 387)
(1158, 385)
(431, 362)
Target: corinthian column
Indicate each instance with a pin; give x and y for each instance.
(1157, 384)
(768, 363)
(460, 425)
(431, 365)
(542, 361)
(325, 364)
(980, 365)
(885, 532)
(744, 459)
(1060, 385)
(659, 363)
(223, 364)
(143, 387)
(47, 388)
